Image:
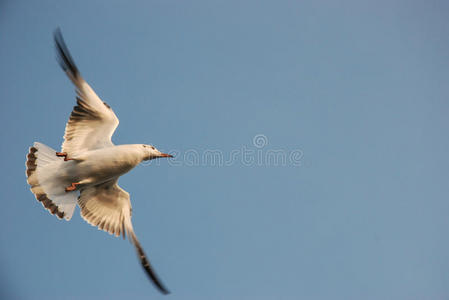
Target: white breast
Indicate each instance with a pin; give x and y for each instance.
(98, 166)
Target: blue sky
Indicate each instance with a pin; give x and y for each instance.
(357, 88)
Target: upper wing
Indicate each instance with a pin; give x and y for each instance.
(92, 121)
(108, 207)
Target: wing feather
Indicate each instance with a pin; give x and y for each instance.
(92, 122)
(108, 207)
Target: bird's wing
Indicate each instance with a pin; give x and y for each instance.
(92, 122)
(108, 207)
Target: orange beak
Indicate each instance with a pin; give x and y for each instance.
(166, 155)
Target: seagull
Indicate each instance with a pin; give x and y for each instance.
(87, 169)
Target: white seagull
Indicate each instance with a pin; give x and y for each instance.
(88, 167)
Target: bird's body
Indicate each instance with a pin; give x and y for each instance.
(88, 168)
(101, 165)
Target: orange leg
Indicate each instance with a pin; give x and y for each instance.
(72, 187)
(63, 154)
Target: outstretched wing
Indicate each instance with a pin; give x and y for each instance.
(108, 207)
(92, 121)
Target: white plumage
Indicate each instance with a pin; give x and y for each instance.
(86, 170)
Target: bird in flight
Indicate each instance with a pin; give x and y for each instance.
(88, 167)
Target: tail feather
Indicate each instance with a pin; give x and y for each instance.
(43, 175)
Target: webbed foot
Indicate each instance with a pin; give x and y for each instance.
(72, 187)
(63, 154)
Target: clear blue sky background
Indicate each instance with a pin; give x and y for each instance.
(360, 87)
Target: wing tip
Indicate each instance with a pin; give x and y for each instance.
(147, 266)
(65, 60)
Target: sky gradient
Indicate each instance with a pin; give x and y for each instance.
(357, 88)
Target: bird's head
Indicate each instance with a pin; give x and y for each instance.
(150, 152)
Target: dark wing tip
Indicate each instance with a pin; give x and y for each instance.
(147, 267)
(64, 58)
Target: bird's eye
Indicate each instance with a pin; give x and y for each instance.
(152, 147)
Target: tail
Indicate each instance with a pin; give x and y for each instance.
(44, 171)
